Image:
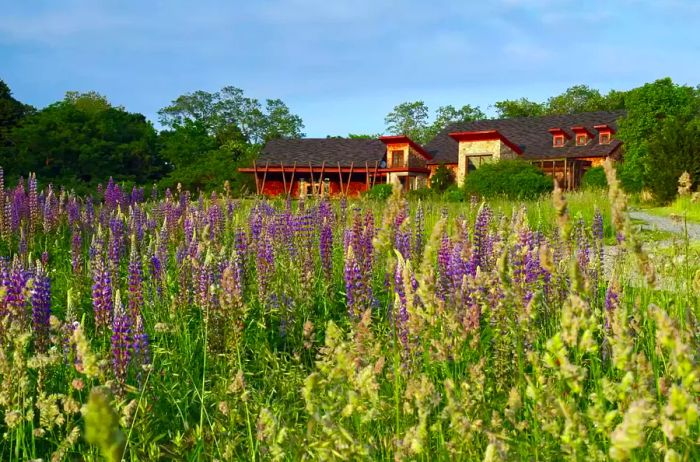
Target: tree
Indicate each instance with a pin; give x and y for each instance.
(410, 119)
(579, 98)
(647, 108)
(673, 150)
(522, 107)
(514, 179)
(82, 141)
(446, 115)
(442, 178)
(11, 113)
(229, 115)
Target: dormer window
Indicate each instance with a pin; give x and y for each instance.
(559, 137)
(605, 133)
(583, 136)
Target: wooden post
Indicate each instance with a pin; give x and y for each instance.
(313, 183)
(347, 188)
(340, 175)
(262, 187)
(320, 179)
(284, 178)
(257, 184)
(367, 175)
(291, 183)
(376, 169)
(566, 176)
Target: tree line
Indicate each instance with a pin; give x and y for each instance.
(83, 139)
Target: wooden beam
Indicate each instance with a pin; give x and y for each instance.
(257, 181)
(367, 175)
(262, 187)
(284, 178)
(347, 188)
(291, 183)
(376, 169)
(320, 179)
(341, 179)
(566, 176)
(313, 183)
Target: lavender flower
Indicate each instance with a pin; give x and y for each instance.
(121, 342)
(41, 308)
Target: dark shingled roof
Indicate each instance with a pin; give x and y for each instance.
(317, 150)
(532, 135)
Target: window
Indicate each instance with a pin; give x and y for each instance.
(558, 140)
(397, 159)
(581, 140)
(605, 138)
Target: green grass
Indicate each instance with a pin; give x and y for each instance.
(683, 207)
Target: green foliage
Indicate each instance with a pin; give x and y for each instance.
(453, 194)
(675, 149)
(442, 178)
(229, 114)
(410, 119)
(647, 108)
(11, 113)
(380, 192)
(80, 142)
(421, 194)
(522, 107)
(513, 179)
(594, 178)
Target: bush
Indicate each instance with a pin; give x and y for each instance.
(380, 192)
(420, 193)
(453, 194)
(594, 178)
(514, 179)
(442, 178)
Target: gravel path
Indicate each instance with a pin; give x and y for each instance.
(666, 224)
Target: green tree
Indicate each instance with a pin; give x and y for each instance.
(673, 150)
(11, 113)
(446, 115)
(229, 115)
(522, 107)
(514, 179)
(78, 143)
(410, 119)
(442, 178)
(647, 108)
(579, 98)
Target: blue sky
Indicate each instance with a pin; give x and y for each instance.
(342, 65)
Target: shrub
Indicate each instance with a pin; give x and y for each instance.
(420, 193)
(442, 178)
(594, 178)
(380, 192)
(514, 179)
(453, 194)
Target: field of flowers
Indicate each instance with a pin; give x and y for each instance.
(173, 327)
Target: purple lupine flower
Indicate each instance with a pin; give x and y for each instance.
(612, 303)
(33, 203)
(76, 244)
(15, 296)
(141, 345)
(264, 265)
(353, 285)
(121, 342)
(326, 249)
(480, 247)
(101, 294)
(135, 277)
(418, 232)
(41, 308)
(400, 315)
(157, 273)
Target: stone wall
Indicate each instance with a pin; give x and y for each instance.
(497, 148)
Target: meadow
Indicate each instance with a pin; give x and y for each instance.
(173, 327)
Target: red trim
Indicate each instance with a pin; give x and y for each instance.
(581, 130)
(392, 139)
(485, 135)
(559, 131)
(604, 128)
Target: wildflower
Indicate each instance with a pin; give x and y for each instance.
(41, 308)
(121, 342)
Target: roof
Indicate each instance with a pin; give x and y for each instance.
(316, 151)
(389, 139)
(532, 135)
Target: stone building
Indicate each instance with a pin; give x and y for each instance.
(563, 146)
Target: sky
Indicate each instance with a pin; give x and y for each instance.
(342, 65)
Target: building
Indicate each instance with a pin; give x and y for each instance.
(563, 146)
